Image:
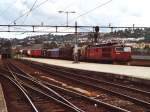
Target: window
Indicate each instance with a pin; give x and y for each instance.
(127, 49)
(123, 49)
(119, 49)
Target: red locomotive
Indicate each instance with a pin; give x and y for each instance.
(112, 53)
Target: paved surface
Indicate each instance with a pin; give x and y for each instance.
(141, 57)
(130, 71)
(3, 107)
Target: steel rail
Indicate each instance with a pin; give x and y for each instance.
(51, 90)
(80, 95)
(100, 81)
(96, 101)
(57, 100)
(135, 100)
(39, 91)
(22, 90)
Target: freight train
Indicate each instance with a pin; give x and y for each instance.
(99, 53)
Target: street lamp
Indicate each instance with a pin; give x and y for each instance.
(67, 12)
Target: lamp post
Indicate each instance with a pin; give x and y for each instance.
(67, 13)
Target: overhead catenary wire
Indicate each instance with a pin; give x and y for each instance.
(30, 11)
(85, 13)
(27, 13)
(66, 7)
(91, 11)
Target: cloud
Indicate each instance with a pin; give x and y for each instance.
(117, 12)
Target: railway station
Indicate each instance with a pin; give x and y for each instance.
(74, 56)
(71, 77)
(41, 79)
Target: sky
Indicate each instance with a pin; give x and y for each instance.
(88, 12)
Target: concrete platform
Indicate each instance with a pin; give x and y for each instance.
(141, 57)
(122, 70)
(3, 107)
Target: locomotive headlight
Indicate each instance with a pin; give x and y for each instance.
(127, 49)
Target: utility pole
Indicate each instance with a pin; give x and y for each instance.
(67, 13)
(111, 27)
(76, 42)
(75, 50)
(133, 32)
(96, 34)
(133, 26)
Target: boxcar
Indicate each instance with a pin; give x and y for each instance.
(66, 53)
(53, 53)
(36, 53)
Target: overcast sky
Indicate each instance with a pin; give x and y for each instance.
(116, 13)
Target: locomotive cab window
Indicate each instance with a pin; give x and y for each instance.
(123, 49)
(127, 49)
(119, 49)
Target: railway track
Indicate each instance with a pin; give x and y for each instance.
(101, 82)
(89, 102)
(98, 84)
(25, 88)
(38, 83)
(37, 90)
(106, 77)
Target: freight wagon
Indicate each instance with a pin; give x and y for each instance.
(66, 53)
(54, 53)
(36, 53)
